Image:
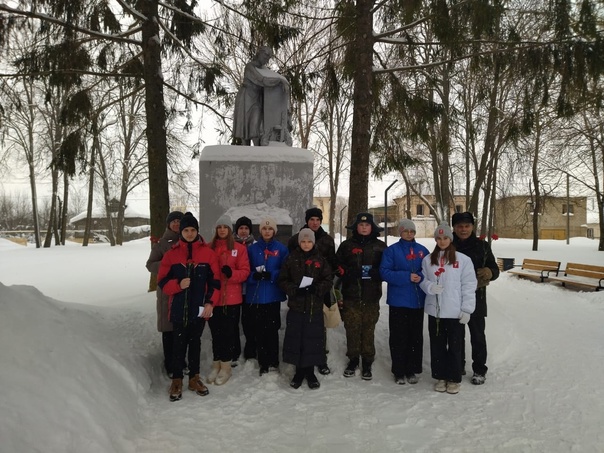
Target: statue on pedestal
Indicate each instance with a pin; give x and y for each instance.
(262, 105)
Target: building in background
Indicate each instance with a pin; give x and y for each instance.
(514, 217)
(420, 211)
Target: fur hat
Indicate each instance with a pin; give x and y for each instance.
(443, 230)
(365, 217)
(462, 217)
(268, 222)
(241, 221)
(174, 215)
(224, 220)
(313, 212)
(188, 220)
(406, 224)
(306, 234)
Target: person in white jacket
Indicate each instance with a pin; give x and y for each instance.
(450, 287)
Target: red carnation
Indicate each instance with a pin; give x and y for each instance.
(357, 251)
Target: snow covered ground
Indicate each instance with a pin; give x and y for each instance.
(80, 371)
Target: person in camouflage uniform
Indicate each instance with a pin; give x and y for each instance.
(358, 260)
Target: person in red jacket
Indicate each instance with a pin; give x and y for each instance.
(188, 274)
(234, 270)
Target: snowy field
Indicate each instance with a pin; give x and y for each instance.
(80, 371)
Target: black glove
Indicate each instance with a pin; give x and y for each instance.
(310, 289)
(266, 275)
(227, 271)
(374, 274)
(257, 276)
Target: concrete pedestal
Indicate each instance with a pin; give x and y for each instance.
(255, 181)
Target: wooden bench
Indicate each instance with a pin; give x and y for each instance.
(537, 269)
(584, 275)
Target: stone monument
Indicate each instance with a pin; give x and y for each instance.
(265, 175)
(262, 105)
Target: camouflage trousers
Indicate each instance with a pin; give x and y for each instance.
(360, 319)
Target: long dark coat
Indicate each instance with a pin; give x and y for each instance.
(304, 342)
(162, 299)
(481, 255)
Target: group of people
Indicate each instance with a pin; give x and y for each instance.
(449, 285)
(236, 278)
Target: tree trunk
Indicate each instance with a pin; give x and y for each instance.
(363, 104)
(53, 208)
(88, 227)
(159, 198)
(63, 219)
(535, 173)
(443, 196)
(32, 171)
(95, 144)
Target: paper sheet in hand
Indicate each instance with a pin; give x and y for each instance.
(306, 281)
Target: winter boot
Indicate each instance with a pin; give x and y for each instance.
(366, 371)
(195, 385)
(478, 379)
(323, 369)
(176, 390)
(298, 378)
(311, 379)
(351, 368)
(440, 386)
(214, 371)
(412, 379)
(453, 387)
(224, 374)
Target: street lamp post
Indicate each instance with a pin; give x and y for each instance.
(341, 210)
(386, 210)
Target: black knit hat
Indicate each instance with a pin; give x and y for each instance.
(462, 217)
(313, 212)
(174, 215)
(188, 220)
(365, 217)
(243, 221)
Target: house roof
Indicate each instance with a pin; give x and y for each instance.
(99, 213)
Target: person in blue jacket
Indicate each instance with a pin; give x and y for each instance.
(261, 311)
(401, 268)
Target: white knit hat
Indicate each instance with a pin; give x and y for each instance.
(268, 222)
(306, 234)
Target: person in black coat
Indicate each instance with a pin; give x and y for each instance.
(306, 277)
(327, 248)
(485, 265)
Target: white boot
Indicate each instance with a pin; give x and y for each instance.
(224, 374)
(213, 372)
